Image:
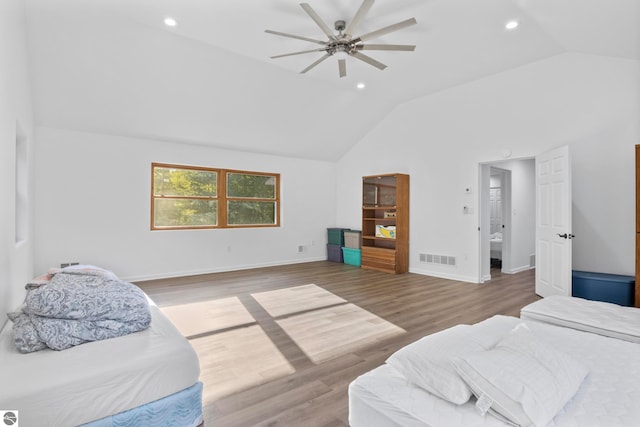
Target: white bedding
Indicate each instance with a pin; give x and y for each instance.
(593, 316)
(94, 380)
(608, 397)
(495, 243)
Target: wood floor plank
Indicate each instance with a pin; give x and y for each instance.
(198, 318)
(315, 394)
(295, 299)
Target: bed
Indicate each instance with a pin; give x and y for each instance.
(592, 316)
(478, 375)
(146, 378)
(495, 245)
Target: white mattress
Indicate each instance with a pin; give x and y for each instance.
(94, 380)
(593, 316)
(608, 397)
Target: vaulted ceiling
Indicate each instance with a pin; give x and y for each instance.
(113, 67)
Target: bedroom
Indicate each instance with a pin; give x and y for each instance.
(584, 94)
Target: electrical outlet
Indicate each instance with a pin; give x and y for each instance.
(68, 264)
(300, 249)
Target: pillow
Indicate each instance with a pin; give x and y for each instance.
(89, 270)
(522, 378)
(427, 363)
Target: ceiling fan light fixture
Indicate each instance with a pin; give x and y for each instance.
(512, 25)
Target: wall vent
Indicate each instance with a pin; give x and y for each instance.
(438, 259)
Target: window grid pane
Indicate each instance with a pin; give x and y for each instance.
(251, 186)
(184, 182)
(251, 213)
(183, 212)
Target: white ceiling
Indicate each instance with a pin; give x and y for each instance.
(112, 66)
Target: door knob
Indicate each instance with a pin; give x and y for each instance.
(566, 236)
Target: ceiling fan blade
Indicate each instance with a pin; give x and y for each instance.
(315, 63)
(342, 67)
(387, 30)
(402, 47)
(369, 60)
(298, 53)
(324, 27)
(293, 36)
(362, 11)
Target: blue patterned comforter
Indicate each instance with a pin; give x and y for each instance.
(73, 309)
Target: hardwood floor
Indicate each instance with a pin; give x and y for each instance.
(316, 394)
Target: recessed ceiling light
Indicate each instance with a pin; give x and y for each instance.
(170, 22)
(511, 25)
(361, 85)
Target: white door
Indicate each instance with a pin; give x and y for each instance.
(553, 223)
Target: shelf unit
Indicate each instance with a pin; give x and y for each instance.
(385, 204)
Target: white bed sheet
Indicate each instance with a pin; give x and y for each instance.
(496, 249)
(495, 245)
(608, 397)
(94, 380)
(599, 317)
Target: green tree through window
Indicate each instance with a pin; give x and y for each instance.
(195, 197)
(251, 199)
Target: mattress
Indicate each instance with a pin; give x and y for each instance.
(608, 397)
(593, 316)
(98, 379)
(495, 243)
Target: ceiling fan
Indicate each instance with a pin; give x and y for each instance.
(345, 42)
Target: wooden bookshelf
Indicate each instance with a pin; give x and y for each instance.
(385, 223)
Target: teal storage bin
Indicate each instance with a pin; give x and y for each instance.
(352, 256)
(335, 236)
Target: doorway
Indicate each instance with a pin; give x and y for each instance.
(499, 198)
(507, 217)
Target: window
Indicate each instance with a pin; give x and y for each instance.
(186, 197)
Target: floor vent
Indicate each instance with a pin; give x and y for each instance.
(438, 259)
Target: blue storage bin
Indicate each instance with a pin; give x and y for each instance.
(334, 253)
(614, 288)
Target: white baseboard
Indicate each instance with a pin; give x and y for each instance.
(519, 269)
(169, 275)
(444, 275)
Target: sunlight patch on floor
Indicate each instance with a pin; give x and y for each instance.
(238, 359)
(208, 316)
(236, 354)
(294, 300)
(332, 332)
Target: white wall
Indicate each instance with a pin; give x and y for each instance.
(16, 260)
(588, 102)
(93, 206)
